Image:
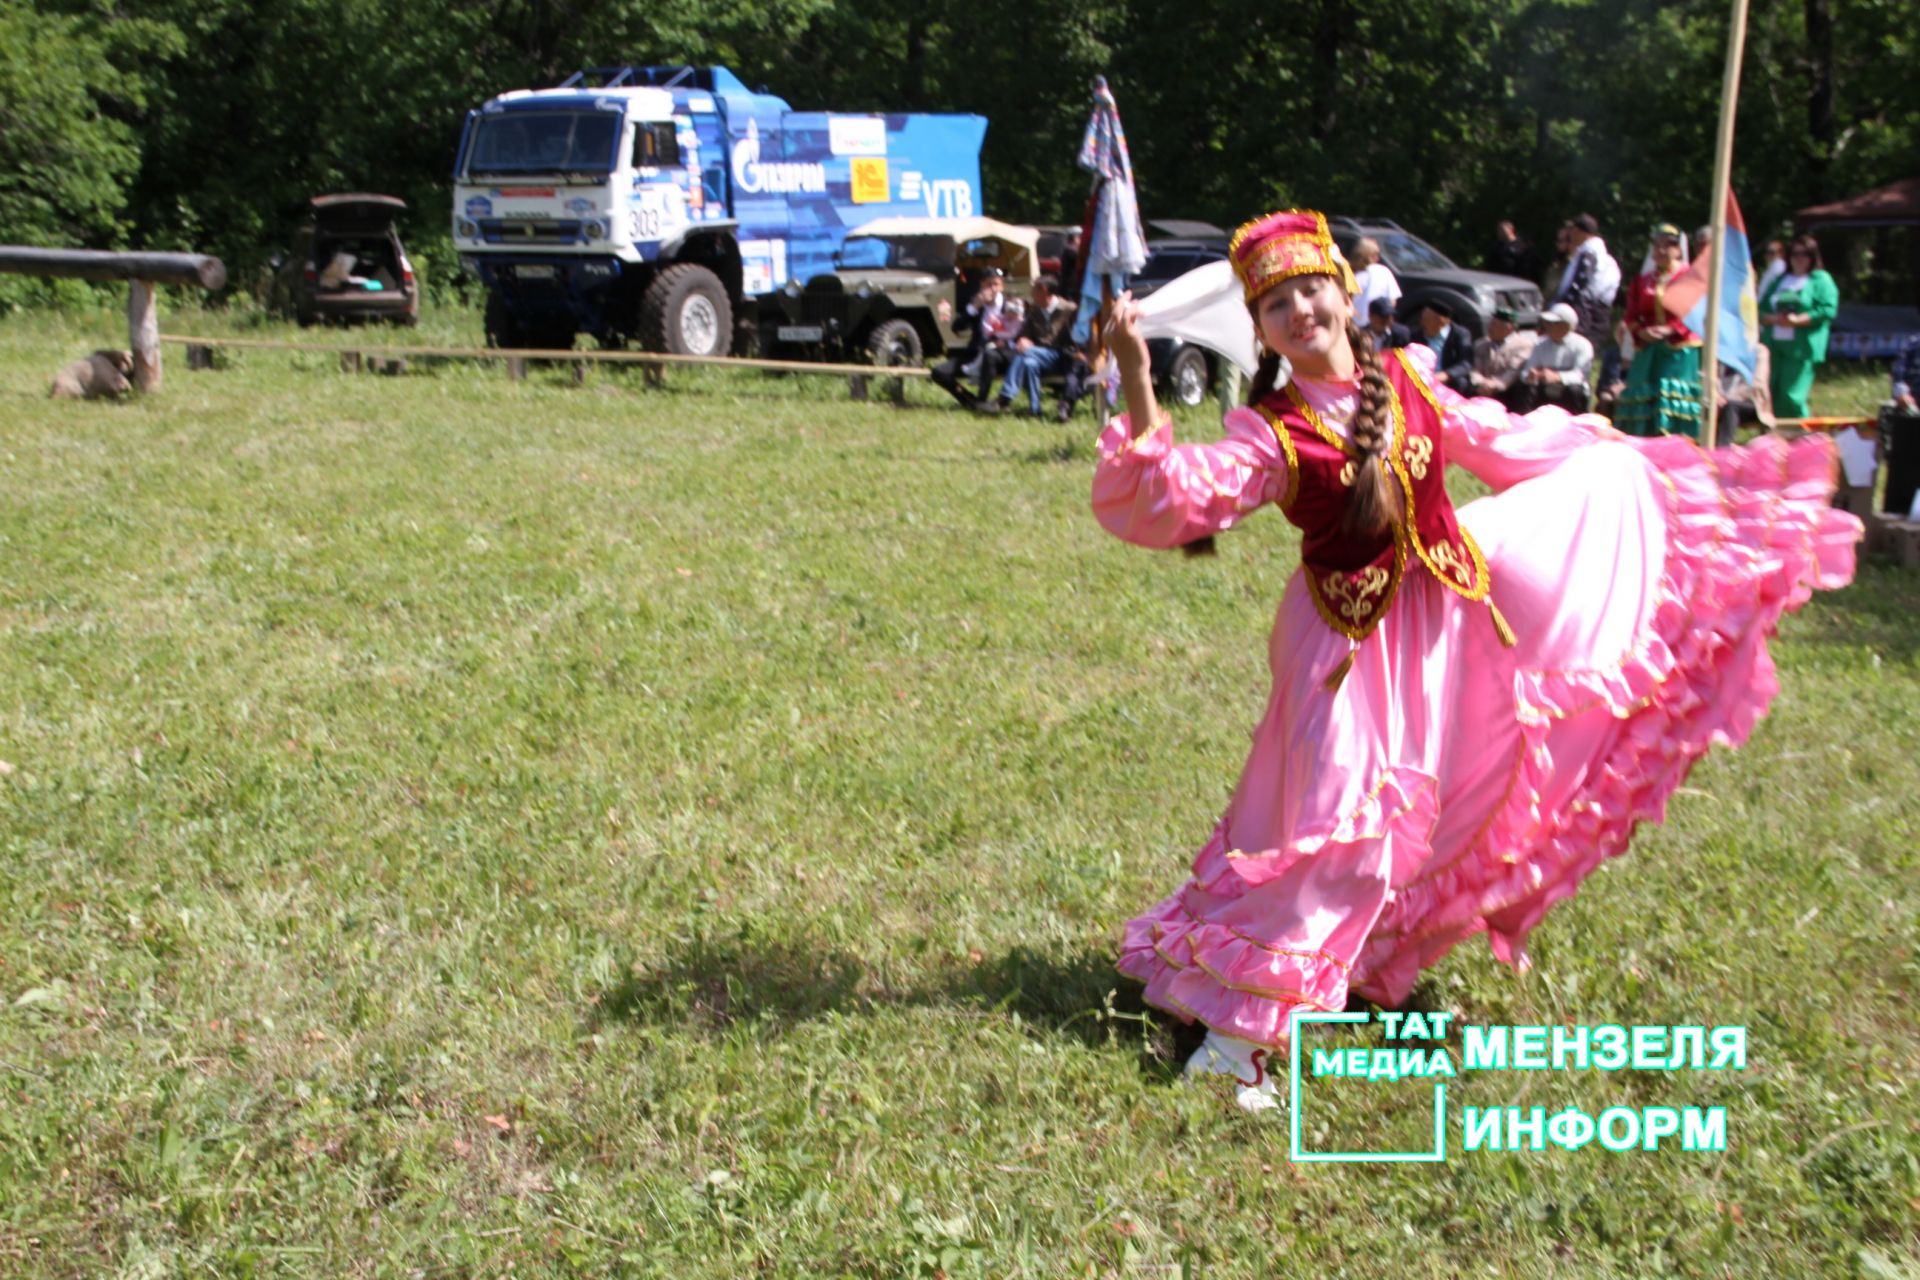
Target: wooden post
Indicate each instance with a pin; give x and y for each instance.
(857, 387)
(349, 362)
(579, 373)
(1717, 257)
(517, 368)
(199, 356)
(143, 336)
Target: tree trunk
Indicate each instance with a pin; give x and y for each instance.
(1328, 28)
(1820, 93)
(914, 70)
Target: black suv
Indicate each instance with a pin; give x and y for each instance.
(1427, 275)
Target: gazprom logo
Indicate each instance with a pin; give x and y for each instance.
(755, 178)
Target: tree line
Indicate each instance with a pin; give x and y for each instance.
(207, 124)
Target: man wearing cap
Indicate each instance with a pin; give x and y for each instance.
(1498, 357)
(1451, 346)
(1386, 332)
(1591, 281)
(1557, 370)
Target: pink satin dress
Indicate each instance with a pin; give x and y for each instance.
(1449, 786)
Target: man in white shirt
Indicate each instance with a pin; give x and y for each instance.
(1561, 362)
(1591, 280)
(1373, 278)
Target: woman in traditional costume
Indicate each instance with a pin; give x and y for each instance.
(1662, 395)
(1469, 712)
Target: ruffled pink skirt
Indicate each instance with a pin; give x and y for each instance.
(1452, 785)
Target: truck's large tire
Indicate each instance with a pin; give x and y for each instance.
(894, 344)
(685, 313)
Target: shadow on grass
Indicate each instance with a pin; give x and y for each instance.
(1071, 449)
(712, 985)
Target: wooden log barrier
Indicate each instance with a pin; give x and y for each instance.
(652, 363)
(143, 270)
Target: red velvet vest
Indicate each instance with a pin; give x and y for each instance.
(1352, 578)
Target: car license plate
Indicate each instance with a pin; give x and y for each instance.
(799, 333)
(533, 273)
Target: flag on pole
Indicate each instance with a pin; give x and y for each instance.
(1115, 247)
(1686, 296)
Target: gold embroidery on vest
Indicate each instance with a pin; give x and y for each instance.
(1474, 584)
(1419, 453)
(1445, 556)
(1347, 472)
(1354, 591)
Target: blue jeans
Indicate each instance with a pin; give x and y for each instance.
(1028, 368)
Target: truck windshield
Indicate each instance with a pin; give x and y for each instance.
(907, 253)
(544, 142)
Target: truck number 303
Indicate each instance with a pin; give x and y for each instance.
(646, 224)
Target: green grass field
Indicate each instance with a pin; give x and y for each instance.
(453, 827)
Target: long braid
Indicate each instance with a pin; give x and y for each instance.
(1376, 504)
(1264, 376)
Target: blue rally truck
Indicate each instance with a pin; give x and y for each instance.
(658, 204)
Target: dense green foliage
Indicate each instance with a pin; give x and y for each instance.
(461, 828)
(207, 123)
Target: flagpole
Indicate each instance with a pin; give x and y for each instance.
(1716, 260)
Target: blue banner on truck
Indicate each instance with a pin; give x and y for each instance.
(822, 174)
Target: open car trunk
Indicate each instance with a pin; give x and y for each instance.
(356, 213)
(355, 251)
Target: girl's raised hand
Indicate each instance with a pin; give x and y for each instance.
(1122, 333)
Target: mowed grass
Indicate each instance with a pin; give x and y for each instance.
(455, 827)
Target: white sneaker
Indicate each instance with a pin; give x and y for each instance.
(1245, 1061)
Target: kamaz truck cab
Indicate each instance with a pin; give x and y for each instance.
(658, 203)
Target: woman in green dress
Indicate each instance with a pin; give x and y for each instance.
(1796, 311)
(1662, 395)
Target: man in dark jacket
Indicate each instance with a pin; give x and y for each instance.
(1449, 342)
(1044, 346)
(1386, 332)
(974, 320)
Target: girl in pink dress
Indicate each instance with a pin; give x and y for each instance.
(1469, 712)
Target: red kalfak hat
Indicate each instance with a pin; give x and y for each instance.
(1293, 242)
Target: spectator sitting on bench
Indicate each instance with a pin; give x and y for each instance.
(1386, 332)
(1498, 357)
(1044, 346)
(978, 319)
(1561, 363)
(1451, 347)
